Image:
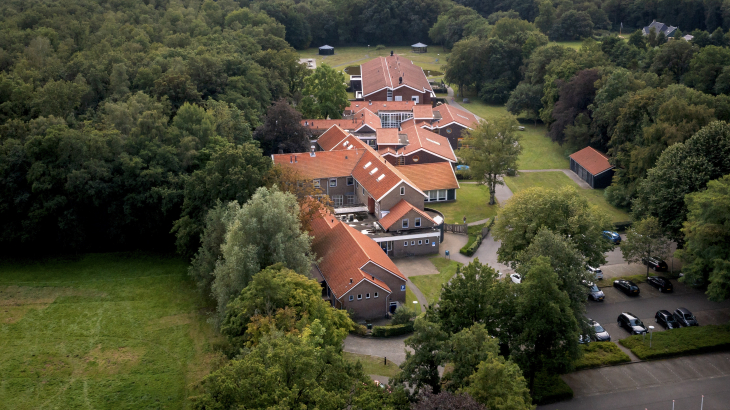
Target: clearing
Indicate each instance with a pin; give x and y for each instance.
(472, 201)
(430, 285)
(434, 60)
(103, 331)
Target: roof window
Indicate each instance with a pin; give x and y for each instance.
(429, 139)
(380, 178)
(374, 170)
(367, 165)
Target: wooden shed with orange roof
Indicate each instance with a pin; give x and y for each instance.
(593, 167)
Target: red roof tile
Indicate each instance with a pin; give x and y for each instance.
(422, 139)
(433, 176)
(385, 72)
(343, 251)
(332, 137)
(399, 211)
(377, 106)
(387, 136)
(378, 176)
(450, 114)
(324, 164)
(592, 160)
(365, 117)
(349, 143)
(423, 112)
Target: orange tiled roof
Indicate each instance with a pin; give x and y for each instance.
(399, 211)
(383, 72)
(343, 251)
(451, 114)
(422, 139)
(365, 117)
(378, 176)
(377, 106)
(592, 160)
(423, 112)
(324, 164)
(330, 138)
(387, 136)
(349, 143)
(430, 177)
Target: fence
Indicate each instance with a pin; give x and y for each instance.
(455, 228)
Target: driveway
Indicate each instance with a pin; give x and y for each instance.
(652, 385)
(392, 348)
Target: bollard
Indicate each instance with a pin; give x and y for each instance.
(385, 361)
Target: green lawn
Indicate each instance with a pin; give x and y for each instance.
(571, 44)
(472, 201)
(347, 56)
(103, 331)
(680, 342)
(373, 365)
(430, 285)
(558, 179)
(410, 298)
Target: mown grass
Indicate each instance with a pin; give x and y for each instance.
(430, 285)
(373, 365)
(472, 201)
(558, 179)
(680, 342)
(410, 298)
(347, 56)
(104, 331)
(473, 232)
(597, 354)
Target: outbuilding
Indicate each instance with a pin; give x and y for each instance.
(419, 48)
(326, 50)
(593, 167)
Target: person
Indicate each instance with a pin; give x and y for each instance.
(464, 219)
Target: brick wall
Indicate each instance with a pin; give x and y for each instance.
(411, 195)
(454, 136)
(400, 249)
(365, 308)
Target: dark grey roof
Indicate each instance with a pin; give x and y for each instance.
(326, 47)
(419, 45)
(660, 28)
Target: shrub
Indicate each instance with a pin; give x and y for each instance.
(403, 314)
(380, 47)
(470, 248)
(550, 388)
(464, 174)
(396, 330)
(359, 330)
(680, 342)
(600, 354)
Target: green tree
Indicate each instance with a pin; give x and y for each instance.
(526, 98)
(549, 337)
(572, 25)
(546, 19)
(213, 235)
(466, 349)
(420, 369)
(324, 94)
(500, 385)
(263, 231)
(706, 66)
(637, 40)
(707, 239)
(674, 58)
(645, 239)
(562, 211)
(491, 149)
(119, 82)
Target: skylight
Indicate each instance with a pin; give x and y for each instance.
(367, 165)
(429, 139)
(374, 170)
(380, 178)
(462, 117)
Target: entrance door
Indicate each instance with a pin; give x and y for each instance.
(371, 205)
(393, 306)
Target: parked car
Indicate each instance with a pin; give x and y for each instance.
(601, 333)
(631, 322)
(685, 317)
(663, 284)
(666, 319)
(655, 263)
(462, 167)
(595, 272)
(516, 278)
(626, 286)
(584, 339)
(612, 237)
(594, 293)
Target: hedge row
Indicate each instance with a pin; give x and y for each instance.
(550, 389)
(598, 354)
(680, 342)
(389, 331)
(470, 249)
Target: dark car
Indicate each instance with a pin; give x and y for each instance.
(594, 292)
(663, 284)
(612, 237)
(601, 333)
(626, 286)
(666, 319)
(630, 322)
(655, 263)
(685, 317)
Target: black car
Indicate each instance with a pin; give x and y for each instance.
(601, 333)
(685, 317)
(666, 319)
(663, 284)
(655, 263)
(626, 286)
(630, 322)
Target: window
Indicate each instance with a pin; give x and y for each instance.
(352, 298)
(416, 158)
(402, 190)
(399, 98)
(363, 190)
(432, 195)
(448, 130)
(389, 96)
(367, 296)
(375, 295)
(333, 182)
(350, 198)
(426, 241)
(316, 183)
(350, 181)
(405, 224)
(442, 194)
(401, 160)
(403, 288)
(405, 243)
(414, 98)
(413, 243)
(337, 200)
(417, 223)
(420, 242)
(359, 297)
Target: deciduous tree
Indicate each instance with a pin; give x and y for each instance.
(420, 369)
(499, 384)
(646, 239)
(324, 94)
(282, 130)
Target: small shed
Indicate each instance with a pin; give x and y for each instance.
(593, 167)
(419, 48)
(326, 50)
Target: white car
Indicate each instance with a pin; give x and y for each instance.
(516, 278)
(595, 272)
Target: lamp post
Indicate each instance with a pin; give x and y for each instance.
(650, 335)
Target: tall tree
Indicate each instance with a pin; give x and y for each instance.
(526, 98)
(706, 253)
(500, 385)
(282, 130)
(466, 349)
(421, 368)
(646, 239)
(324, 94)
(491, 149)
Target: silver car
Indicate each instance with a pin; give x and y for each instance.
(596, 273)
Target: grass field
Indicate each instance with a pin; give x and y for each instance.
(347, 56)
(430, 285)
(558, 179)
(597, 354)
(472, 201)
(373, 365)
(102, 331)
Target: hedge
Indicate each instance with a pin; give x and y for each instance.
(550, 389)
(598, 354)
(470, 249)
(680, 342)
(389, 331)
(359, 329)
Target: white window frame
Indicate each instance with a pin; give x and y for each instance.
(363, 190)
(413, 243)
(417, 223)
(399, 98)
(415, 98)
(367, 296)
(333, 182)
(427, 241)
(445, 192)
(337, 201)
(352, 298)
(402, 190)
(389, 95)
(404, 223)
(405, 243)
(420, 242)
(359, 296)
(316, 183)
(375, 295)
(350, 198)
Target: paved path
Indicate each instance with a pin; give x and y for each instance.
(581, 183)
(392, 348)
(416, 266)
(452, 101)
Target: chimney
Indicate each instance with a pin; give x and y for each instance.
(400, 80)
(391, 53)
(350, 281)
(370, 102)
